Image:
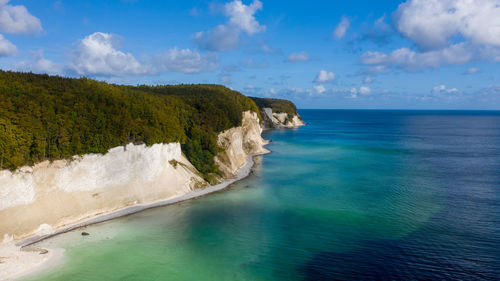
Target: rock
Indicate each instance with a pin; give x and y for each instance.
(85, 233)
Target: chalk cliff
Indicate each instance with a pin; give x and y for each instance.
(238, 143)
(280, 119)
(37, 200)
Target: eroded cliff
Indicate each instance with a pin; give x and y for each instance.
(238, 143)
(48, 196)
(280, 119)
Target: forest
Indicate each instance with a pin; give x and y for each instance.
(46, 117)
(278, 105)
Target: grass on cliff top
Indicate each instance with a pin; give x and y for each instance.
(46, 117)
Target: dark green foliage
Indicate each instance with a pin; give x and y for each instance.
(48, 117)
(278, 105)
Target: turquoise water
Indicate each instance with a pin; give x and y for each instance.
(353, 195)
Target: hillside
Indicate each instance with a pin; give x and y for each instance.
(48, 117)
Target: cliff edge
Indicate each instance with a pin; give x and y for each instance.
(278, 113)
(37, 200)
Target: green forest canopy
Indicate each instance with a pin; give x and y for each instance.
(277, 105)
(49, 117)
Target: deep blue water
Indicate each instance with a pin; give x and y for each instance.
(372, 195)
(452, 158)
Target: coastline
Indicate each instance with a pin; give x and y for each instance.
(19, 269)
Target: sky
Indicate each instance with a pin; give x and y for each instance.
(414, 54)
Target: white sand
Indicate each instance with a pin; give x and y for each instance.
(18, 261)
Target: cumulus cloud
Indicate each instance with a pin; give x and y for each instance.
(220, 38)
(251, 63)
(242, 16)
(341, 28)
(298, 57)
(225, 78)
(186, 61)
(446, 32)
(225, 37)
(364, 90)
(379, 32)
(319, 89)
(324, 77)
(472, 70)
(432, 23)
(410, 60)
(442, 89)
(39, 64)
(17, 19)
(97, 54)
(6, 47)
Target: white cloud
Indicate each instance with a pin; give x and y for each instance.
(298, 57)
(242, 16)
(268, 50)
(97, 55)
(17, 19)
(220, 38)
(225, 37)
(186, 61)
(410, 60)
(367, 80)
(353, 93)
(472, 70)
(39, 64)
(225, 79)
(432, 23)
(324, 77)
(319, 89)
(341, 28)
(250, 63)
(447, 32)
(364, 90)
(6, 47)
(379, 32)
(442, 89)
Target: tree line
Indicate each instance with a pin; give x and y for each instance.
(46, 117)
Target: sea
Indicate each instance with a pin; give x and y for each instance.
(353, 195)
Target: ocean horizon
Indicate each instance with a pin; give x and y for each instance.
(355, 194)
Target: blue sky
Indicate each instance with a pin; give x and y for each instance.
(417, 54)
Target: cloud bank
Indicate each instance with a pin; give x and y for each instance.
(446, 32)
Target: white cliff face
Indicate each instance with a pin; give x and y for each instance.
(281, 120)
(49, 196)
(238, 143)
(55, 194)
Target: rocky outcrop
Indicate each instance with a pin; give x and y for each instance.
(280, 119)
(48, 196)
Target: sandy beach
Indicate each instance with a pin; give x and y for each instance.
(22, 258)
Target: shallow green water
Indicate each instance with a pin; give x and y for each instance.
(355, 194)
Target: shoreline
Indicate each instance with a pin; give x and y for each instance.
(21, 269)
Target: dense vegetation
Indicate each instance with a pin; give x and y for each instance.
(48, 117)
(277, 105)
